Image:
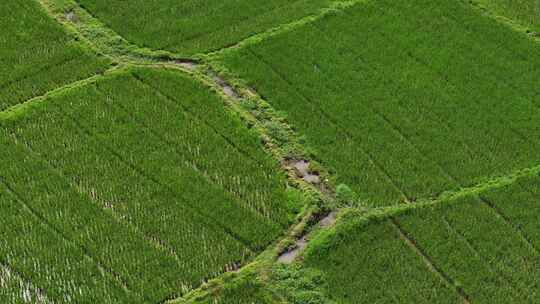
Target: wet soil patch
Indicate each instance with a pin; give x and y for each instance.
(290, 255)
(72, 17)
(226, 87)
(328, 220)
(302, 169)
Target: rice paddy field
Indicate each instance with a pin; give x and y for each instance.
(269, 152)
(38, 55)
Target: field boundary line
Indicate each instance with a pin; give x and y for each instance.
(515, 25)
(21, 108)
(249, 18)
(64, 237)
(290, 26)
(106, 41)
(245, 155)
(428, 261)
(450, 196)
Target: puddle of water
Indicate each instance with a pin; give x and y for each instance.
(289, 256)
(71, 16)
(312, 179)
(302, 166)
(227, 88)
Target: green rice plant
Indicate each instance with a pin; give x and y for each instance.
(403, 100)
(196, 26)
(37, 55)
(524, 12)
(13, 289)
(59, 268)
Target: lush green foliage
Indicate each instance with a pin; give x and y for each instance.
(486, 245)
(36, 55)
(195, 26)
(299, 285)
(279, 284)
(525, 12)
(404, 99)
(147, 174)
(243, 291)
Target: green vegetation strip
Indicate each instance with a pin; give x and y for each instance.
(403, 110)
(523, 12)
(37, 55)
(130, 171)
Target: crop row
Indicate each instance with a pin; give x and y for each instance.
(196, 26)
(150, 177)
(484, 247)
(418, 102)
(37, 55)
